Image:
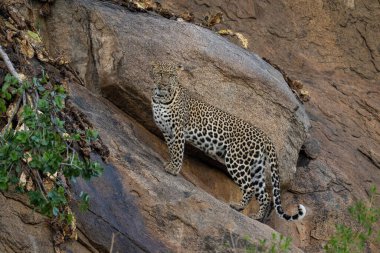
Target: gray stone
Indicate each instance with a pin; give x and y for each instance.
(312, 148)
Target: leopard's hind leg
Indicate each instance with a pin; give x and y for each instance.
(239, 169)
(258, 184)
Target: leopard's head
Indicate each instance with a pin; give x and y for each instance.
(165, 77)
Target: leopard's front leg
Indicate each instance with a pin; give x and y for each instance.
(176, 145)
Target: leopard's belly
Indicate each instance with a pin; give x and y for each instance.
(212, 145)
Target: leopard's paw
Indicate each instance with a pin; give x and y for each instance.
(236, 206)
(169, 168)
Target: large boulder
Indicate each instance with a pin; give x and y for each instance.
(112, 50)
(137, 207)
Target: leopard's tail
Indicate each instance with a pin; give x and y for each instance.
(276, 191)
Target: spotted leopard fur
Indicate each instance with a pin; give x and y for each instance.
(243, 148)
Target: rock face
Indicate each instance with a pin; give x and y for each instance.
(138, 207)
(113, 49)
(332, 47)
(320, 35)
(24, 230)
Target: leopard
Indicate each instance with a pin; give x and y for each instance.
(244, 149)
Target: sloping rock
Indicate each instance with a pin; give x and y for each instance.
(112, 50)
(137, 207)
(24, 230)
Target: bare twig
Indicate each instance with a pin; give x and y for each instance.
(59, 131)
(112, 242)
(37, 181)
(9, 65)
(13, 71)
(40, 181)
(23, 98)
(36, 97)
(63, 181)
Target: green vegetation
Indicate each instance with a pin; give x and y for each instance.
(278, 244)
(345, 240)
(349, 240)
(37, 154)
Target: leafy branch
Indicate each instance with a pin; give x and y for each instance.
(37, 153)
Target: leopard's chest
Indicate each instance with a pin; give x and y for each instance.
(163, 117)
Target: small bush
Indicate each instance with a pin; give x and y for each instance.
(37, 154)
(349, 240)
(278, 244)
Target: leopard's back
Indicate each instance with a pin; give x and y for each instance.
(212, 130)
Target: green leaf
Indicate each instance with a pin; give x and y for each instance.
(43, 105)
(14, 180)
(10, 79)
(69, 218)
(44, 79)
(76, 137)
(7, 78)
(14, 155)
(60, 89)
(84, 201)
(3, 107)
(36, 199)
(26, 85)
(91, 135)
(4, 183)
(55, 211)
(22, 137)
(13, 90)
(59, 102)
(373, 190)
(5, 86)
(35, 36)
